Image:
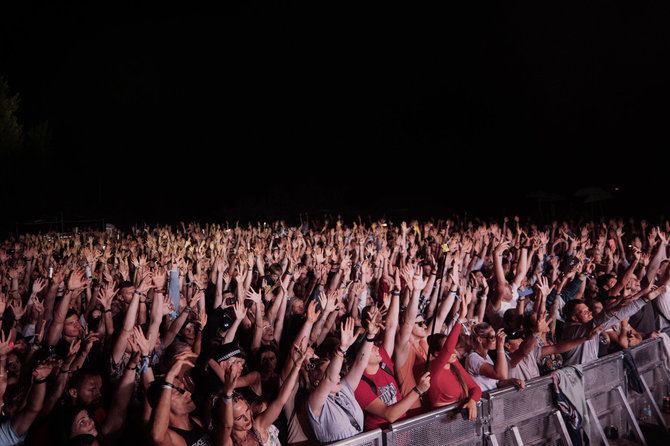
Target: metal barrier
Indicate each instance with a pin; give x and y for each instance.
(445, 425)
(529, 416)
(605, 391)
(369, 438)
(655, 377)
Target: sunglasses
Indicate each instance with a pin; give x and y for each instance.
(178, 389)
(420, 323)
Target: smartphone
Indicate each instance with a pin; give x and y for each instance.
(610, 242)
(231, 300)
(51, 272)
(445, 247)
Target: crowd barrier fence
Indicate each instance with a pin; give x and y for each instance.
(530, 417)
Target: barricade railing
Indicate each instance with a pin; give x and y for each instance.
(654, 376)
(446, 425)
(526, 416)
(530, 416)
(369, 438)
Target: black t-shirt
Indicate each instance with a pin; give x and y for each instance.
(644, 321)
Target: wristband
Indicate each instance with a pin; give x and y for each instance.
(140, 293)
(500, 351)
(159, 291)
(227, 399)
(108, 310)
(167, 385)
(143, 301)
(40, 381)
(66, 372)
(372, 339)
(131, 368)
(396, 293)
(338, 355)
(417, 391)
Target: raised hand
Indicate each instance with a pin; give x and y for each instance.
(502, 246)
(74, 348)
(146, 283)
(543, 285)
(141, 341)
(312, 312)
(500, 338)
(418, 281)
(106, 295)
(183, 360)
(253, 295)
(347, 334)
(297, 353)
(18, 309)
(168, 304)
(239, 310)
(231, 375)
(43, 369)
(374, 322)
(195, 299)
(159, 278)
(5, 342)
(77, 279)
(424, 383)
(38, 285)
(36, 304)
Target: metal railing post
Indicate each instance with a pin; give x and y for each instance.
(631, 416)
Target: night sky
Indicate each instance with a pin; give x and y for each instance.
(251, 110)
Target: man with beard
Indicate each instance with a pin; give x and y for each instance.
(85, 389)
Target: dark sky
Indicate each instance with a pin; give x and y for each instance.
(257, 109)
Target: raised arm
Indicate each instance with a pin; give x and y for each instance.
(401, 350)
(302, 337)
(621, 283)
(266, 418)
(129, 321)
(118, 409)
(22, 421)
(499, 371)
(160, 416)
(522, 267)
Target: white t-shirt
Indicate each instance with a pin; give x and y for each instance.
(472, 364)
(662, 303)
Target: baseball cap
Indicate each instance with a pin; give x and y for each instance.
(514, 334)
(227, 351)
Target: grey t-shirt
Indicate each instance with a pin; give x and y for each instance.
(334, 424)
(527, 368)
(588, 351)
(8, 436)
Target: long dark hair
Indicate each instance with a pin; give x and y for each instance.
(436, 343)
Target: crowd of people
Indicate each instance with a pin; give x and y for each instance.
(268, 334)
